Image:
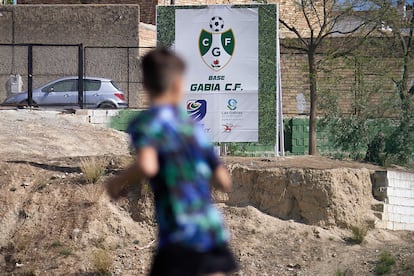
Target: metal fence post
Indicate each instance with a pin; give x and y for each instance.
(30, 75)
(80, 76)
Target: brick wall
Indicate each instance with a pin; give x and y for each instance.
(288, 11)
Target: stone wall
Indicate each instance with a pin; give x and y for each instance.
(112, 31)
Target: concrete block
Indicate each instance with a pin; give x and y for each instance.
(401, 201)
(400, 192)
(378, 207)
(397, 209)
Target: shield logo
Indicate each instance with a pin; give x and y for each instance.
(197, 109)
(216, 47)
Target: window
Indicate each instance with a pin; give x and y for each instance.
(116, 85)
(60, 86)
(91, 85)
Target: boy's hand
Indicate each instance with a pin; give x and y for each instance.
(116, 185)
(114, 189)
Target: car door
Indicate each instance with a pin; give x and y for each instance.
(59, 93)
(93, 92)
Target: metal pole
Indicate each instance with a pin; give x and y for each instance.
(128, 75)
(281, 136)
(30, 75)
(277, 146)
(80, 76)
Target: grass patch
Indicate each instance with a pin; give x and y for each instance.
(339, 273)
(65, 252)
(93, 192)
(93, 168)
(385, 263)
(102, 262)
(358, 234)
(40, 186)
(56, 244)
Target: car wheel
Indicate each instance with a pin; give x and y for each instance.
(107, 106)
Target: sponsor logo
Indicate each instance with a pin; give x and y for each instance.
(232, 104)
(216, 45)
(197, 109)
(228, 127)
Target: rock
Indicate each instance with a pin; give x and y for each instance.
(13, 189)
(75, 234)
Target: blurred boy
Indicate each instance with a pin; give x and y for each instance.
(172, 151)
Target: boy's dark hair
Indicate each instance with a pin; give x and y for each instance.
(159, 67)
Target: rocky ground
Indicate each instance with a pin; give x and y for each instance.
(54, 223)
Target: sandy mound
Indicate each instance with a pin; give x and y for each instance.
(331, 197)
(50, 134)
(55, 224)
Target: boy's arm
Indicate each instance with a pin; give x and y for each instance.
(145, 166)
(117, 184)
(222, 179)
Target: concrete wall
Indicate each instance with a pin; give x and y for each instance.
(93, 25)
(289, 10)
(399, 207)
(147, 7)
(396, 190)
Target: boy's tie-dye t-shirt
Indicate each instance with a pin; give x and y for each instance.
(184, 210)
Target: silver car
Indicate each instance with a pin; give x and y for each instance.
(98, 93)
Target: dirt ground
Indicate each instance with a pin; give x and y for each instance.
(53, 223)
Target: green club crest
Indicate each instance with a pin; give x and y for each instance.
(216, 46)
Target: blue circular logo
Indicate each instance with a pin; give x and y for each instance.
(232, 104)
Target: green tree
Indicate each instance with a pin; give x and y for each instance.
(400, 144)
(326, 19)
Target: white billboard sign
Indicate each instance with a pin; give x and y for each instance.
(220, 47)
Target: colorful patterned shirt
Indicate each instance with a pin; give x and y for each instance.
(184, 210)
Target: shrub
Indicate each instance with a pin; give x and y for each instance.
(92, 193)
(93, 168)
(339, 273)
(102, 262)
(56, 244)
(385, 263)
(358, 233)
(65, 252)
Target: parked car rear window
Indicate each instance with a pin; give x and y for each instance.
(116, 85)
(91, 85)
